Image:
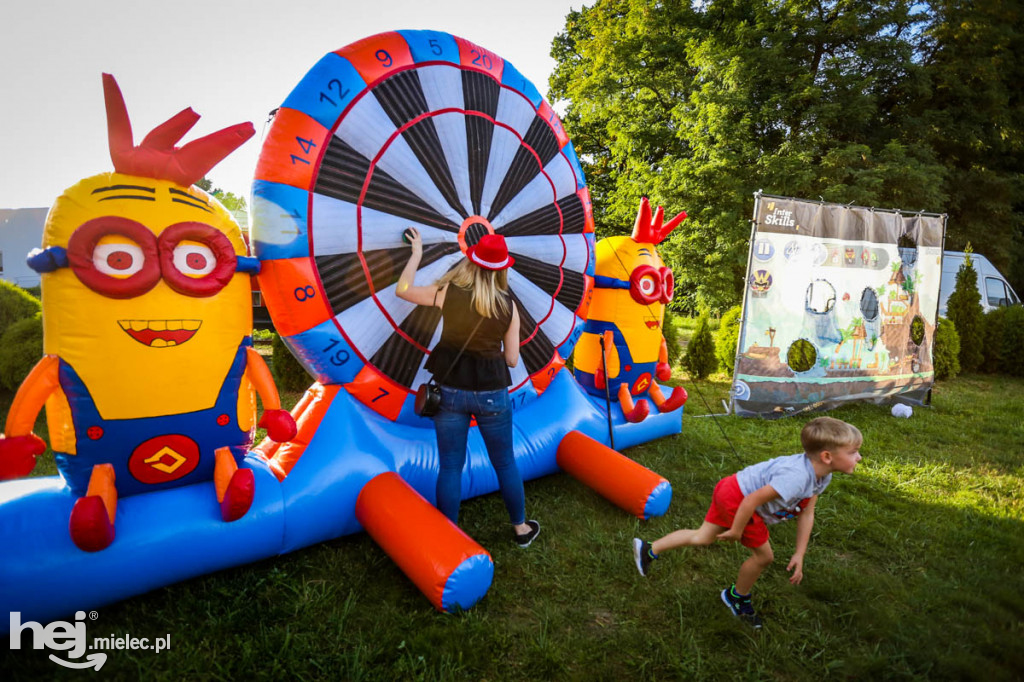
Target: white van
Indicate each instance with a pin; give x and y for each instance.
(994, 289)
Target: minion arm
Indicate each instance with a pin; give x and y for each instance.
(19, 447)
(662, 370)
(40, 383)
(280, 425)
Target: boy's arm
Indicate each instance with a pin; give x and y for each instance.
(804, 524)
(746, 510)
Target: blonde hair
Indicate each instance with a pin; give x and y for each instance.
(489, 287)
(826, 433)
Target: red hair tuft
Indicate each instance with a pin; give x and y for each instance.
(157, 157)
(648, 230)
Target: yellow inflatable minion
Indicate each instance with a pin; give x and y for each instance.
(622, 350)
(148, 375)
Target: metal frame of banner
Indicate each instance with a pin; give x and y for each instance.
(731, 408)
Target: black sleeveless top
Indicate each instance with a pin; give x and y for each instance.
(481, 367)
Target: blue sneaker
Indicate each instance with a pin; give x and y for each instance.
(741, 607)
(642, 556)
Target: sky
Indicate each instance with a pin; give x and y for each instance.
(230, 60)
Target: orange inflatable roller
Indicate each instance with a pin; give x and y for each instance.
(448, 566)
(622, 481)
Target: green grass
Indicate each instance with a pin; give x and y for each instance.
(914, 572)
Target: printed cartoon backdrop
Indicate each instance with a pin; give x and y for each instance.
(835, 309)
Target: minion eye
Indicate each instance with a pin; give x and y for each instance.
(194, 259)
(647, 285)
(118, 260)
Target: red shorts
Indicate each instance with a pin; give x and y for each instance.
(724, 503)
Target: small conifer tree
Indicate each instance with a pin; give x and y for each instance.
(1012, 355)
(946, 350)
(992, 333)
(965, 311)
(727, 337)
(699, 360)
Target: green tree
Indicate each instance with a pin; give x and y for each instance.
(699, 359)
(946, 350)
(727, 338)
(15, 304)
(969, 110)
(231, 201)
(965, 311)
(698, 105)
(21, 347)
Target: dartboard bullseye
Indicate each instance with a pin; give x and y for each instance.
(421, 129)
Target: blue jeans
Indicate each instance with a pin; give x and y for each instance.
(493, 412)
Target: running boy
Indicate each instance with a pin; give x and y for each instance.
(766, 493)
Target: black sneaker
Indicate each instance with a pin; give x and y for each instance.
(642, 556)
(741, 607)
(524, 539)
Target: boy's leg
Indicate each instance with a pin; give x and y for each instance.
(644, 553)
(750, 570)
(705, 535)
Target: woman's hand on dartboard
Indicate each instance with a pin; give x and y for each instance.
(411, 236)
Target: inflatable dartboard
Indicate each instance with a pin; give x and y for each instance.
(423, 129)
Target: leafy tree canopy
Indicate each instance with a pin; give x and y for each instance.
(700, 104)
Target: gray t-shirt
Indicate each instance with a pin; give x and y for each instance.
(794, 480)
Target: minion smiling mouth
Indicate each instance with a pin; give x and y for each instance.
(651, 322)
(161, 333)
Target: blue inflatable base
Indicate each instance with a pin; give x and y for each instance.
(168, 536)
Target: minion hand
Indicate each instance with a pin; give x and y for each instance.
(18, 455)
(280, 425)
(663, 371)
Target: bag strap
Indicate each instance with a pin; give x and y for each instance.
(452, 366)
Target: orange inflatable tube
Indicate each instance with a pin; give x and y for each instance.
(620, 480)
(447, 565)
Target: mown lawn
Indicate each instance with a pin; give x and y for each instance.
(914, 572)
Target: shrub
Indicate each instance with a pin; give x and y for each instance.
(1012, 352)
(15, 304)
(21, 346)
(262, 336)
(699, 359)
(727, 337)
(993, 323)
(288, 373)
(670, 330)
(946, 350)
(965, 311)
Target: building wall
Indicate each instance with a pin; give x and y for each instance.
(21, 230)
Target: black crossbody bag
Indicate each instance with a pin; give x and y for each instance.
(428, 395)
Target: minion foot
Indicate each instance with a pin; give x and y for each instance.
(634, 413)
(235, 487)
(238, 496)
(90, 526)
(673, 402)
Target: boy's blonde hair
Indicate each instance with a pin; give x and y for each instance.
(488, 286)
(826, 433)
